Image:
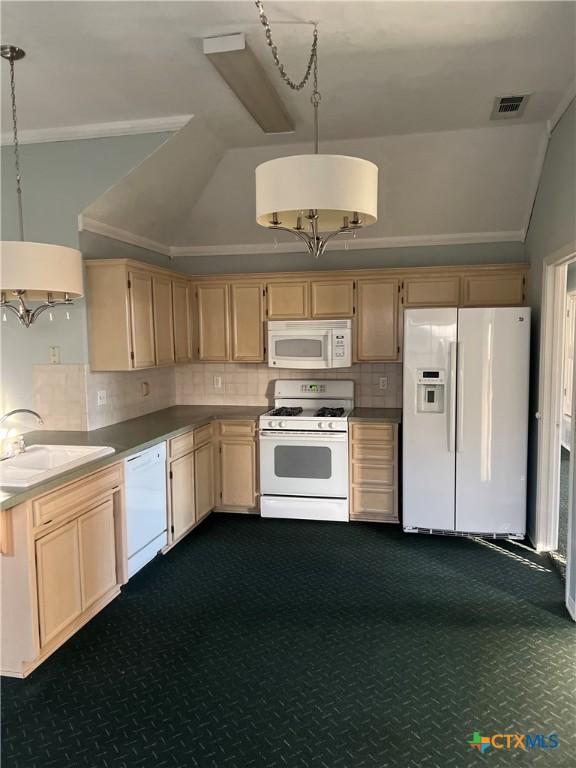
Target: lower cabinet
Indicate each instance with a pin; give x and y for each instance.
(204, 480)
(237, 476)
(374, 472)
(181, 497)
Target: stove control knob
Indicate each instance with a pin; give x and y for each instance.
(272, 424)
(320, 425)
(282, 424)
(331, 425)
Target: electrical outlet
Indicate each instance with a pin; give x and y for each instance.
(101, 397)
(54, 355)
(383, 383)
(217, 382)
(145, 388)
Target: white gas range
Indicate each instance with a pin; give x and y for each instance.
(304, 450)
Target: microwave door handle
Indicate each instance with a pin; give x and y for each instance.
(329, 345)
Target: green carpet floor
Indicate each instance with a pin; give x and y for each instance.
(288, 644)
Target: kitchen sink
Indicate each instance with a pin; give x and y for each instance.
(39, 462)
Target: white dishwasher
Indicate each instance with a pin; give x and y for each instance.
(145, 497)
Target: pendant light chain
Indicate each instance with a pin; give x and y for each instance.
(16, 147)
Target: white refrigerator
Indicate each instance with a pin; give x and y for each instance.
(465, 421)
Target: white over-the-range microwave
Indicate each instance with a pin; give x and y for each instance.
(310, 343)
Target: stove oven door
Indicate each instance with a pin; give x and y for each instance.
(304, 464)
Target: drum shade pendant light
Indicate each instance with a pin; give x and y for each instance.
(315, 197)
(51, 274)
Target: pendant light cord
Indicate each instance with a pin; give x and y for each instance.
(16, 148)
(311, 69)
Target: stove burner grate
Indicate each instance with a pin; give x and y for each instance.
(286, 412)
(329, 412)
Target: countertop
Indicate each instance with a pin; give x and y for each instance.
(386, 415)
(126, 437)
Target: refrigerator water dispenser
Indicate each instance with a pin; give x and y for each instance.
(430, 397)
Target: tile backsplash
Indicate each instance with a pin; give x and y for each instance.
(66, 396)
(249, 384)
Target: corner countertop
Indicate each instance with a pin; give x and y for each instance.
(382, 415)
(126, 437)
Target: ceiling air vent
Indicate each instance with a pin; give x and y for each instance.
(506, 107)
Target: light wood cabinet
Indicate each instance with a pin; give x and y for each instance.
(374, 472)
(204, 480)
(332, 298)
(237, 473)
(182, 497)
(58, 582)
(97, 552)
(288, 300)
(493, 290)
(163, 320)
(247, 326)
(433, 291)
(142, 319)
(377, 320)
(181, 314)
(213, 321)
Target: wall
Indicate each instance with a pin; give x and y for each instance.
(253, 384)
(59, 180)
(553, 226)
(571, 278)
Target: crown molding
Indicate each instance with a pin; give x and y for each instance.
(99, 228)
(99, 130)
(358, 244)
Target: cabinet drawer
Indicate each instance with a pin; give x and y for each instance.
(373, 504)
(65, 501)
(180, 445)
(202, 435)
(370, 474)
(374, 453)
(237, 428)
(381, 433)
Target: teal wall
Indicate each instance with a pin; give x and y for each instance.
(552, 227)
(59, 180)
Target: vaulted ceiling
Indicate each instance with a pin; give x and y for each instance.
(409, 85)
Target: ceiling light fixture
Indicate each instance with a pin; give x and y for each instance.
(51, 274)
(315, 197)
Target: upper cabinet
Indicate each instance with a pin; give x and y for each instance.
(182, 320)
(213, 321)
(140, 297)
(494, 289)
(142, 316)
(432, 291)
(163, 320)
(247, 327)
(332, 298)
(377, 320)
(288, 300)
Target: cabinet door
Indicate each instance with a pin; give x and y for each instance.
(332, 298)
(213, 322)
(142, 319)
(97, 552)
(288, 300)
(204, 480)
(434, 291)
(377, 320)
(58, 580)
(181, 318)
(238, 473)
(182, 494)
(494, 290)
(163, 325)
(247, 322)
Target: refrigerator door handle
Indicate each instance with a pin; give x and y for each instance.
(451, 399)
(460, 399)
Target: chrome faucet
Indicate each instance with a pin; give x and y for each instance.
(14, 447)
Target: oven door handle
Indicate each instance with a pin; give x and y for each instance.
(304, 436)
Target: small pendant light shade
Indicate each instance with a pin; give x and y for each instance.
(340, 189)
(40, 268)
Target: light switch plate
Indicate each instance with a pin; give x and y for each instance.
(55, 355)
(101, 397)
(217, 382)
(383, 383)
